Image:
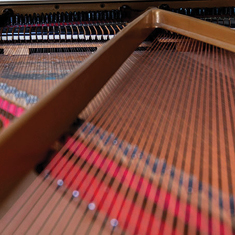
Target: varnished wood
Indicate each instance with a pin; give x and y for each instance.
(33, 133)
(74, 93)
(194, 28)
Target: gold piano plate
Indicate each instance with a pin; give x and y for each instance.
(164, 168)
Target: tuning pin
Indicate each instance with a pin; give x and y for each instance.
(108, 15)
(55, 17)
(208, 11)
(225, 10)
(38, 19)
(81, 16)
(17, 19)
(34, 18)
(100, 15)
(199, 11)
(221, 10)
(21, 19)
(116, 14)
(11, 20)
(85, 16)
(75, 16)
(189, 11)
(29, 19)
(181, 11)
(203, 11)
(43, 18)
(58, 17)
(113, 15)
(70, 16)
(62, 17)
(212, 11)
(66, 16)
(105, 15)
(50, 18)
(231, 11)
(89, 16)
(46, 18)
(78, 15)
(26, 19)
(93, 16)
(119, 15)
(97, 17)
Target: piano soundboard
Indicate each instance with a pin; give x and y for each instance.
(143, 154)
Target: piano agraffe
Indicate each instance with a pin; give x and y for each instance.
(117, 117)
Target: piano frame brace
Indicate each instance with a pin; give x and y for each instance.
(23, 143)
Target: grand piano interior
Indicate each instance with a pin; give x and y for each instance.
(117, 117)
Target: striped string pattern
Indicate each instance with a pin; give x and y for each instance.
(37, 73)
(154, 155)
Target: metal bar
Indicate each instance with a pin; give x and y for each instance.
(194, 28)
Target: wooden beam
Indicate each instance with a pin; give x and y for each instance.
(23, 143)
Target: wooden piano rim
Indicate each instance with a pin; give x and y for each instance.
(23, 143)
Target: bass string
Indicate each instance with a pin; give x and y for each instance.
(198, 86)
(229, 72)
(110, 186)
(129, 212)
(43, 66)
(228, 117)
(177, 224)
(101, 112)
(137, 227)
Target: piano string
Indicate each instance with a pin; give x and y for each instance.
(109, 179)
